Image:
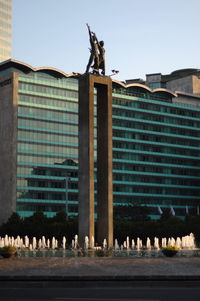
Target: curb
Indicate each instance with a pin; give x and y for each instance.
(98, 281)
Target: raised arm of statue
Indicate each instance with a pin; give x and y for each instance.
(93, 50)
(90, 33)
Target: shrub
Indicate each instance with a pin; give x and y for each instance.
(170, 251)
(7, 251)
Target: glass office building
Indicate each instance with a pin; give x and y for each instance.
(5, 29)
(156, 141)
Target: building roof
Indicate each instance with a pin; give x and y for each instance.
(27, 68)
(180, 74)
(59, 74)
(144, 87)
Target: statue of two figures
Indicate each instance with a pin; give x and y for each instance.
(97, 54)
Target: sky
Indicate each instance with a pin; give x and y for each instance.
(141, 37)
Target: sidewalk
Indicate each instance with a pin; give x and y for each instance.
(100, 268)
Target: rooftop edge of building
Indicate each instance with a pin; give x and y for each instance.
(59, 74)
(127, 84)
(176, 74)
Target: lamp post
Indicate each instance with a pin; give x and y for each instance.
(67, 179)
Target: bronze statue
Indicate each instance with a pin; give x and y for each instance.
(97, 54)
(101, 56)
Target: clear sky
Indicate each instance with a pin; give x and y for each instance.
(141, 37)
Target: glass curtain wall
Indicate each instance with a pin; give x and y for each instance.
(47, 145)
(155, 148)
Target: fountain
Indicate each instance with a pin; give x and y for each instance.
(156, 243)
(116, 246)
(164, 242)
(127, 243)
(178, 242)
(104, 243)
(26, 241)
(34, 243)
(148, 244)
(45, 247)
(64, 242)
(40, 244)
(53, 243)
(76, 242)
(86, 242)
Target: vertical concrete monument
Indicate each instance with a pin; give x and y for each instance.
(88, 84)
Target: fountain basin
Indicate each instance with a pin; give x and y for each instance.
(107, 253)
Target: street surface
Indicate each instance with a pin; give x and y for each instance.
(142, 293)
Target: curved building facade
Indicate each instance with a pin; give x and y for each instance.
(156, 139)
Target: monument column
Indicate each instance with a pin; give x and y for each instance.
(86, 159)
(104, 162)
(103, 84)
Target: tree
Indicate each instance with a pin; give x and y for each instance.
(60, 217)
(36, 225)
(13, 226)
(131, 213)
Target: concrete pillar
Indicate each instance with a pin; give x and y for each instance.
(104, 163)
(86, 159)
(8, 144)
(103, 84)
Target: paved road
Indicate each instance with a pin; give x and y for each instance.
(142, 293)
